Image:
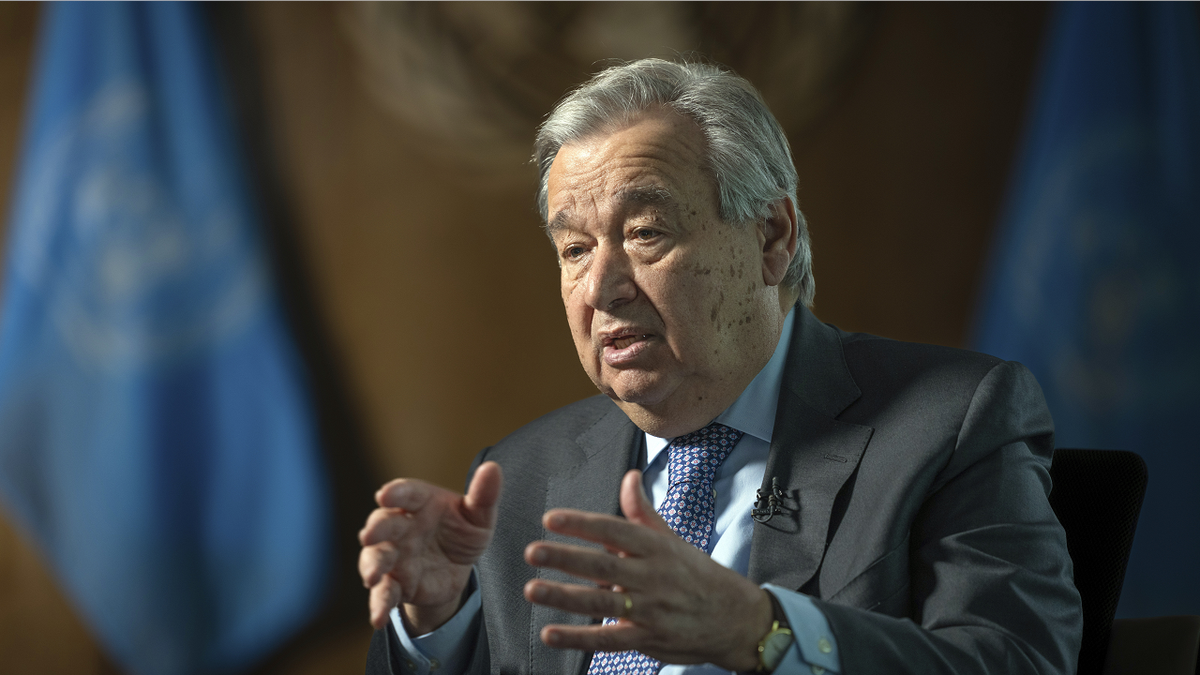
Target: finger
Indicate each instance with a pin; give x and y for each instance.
(376, 561)
(405, 493)
(610, 531)
(384, 596)
(613, 637)
(636, 505)
(385, 525)
(479, 506)
(594, 602)
(599, 566)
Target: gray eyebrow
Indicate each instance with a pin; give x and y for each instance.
(649, 194)
(652, 195)
(560, 221)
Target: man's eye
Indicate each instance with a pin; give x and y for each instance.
(573, 252)
(644, 234)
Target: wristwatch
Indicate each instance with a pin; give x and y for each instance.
(775, 643)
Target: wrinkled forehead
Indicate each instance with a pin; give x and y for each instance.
(658, 159)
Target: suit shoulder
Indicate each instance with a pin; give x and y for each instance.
(874, 360)
(947, 388)
(553, 429)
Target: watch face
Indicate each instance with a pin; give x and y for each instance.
(774, 646)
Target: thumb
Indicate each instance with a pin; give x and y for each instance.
(636, 505)
(479, 505)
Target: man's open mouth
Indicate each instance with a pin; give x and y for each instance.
(623, 342)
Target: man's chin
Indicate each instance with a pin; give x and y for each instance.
(636, 389)
(649, 408)
(666, 409)
(661, 422)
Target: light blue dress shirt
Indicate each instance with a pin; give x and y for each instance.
(737, 481)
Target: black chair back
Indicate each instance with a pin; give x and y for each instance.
(1097, 496)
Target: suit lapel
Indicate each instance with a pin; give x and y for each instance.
(604, 452)
(812, 455)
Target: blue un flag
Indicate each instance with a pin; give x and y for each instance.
(156, 440)
(1095, 283)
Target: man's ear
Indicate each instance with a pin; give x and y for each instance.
(777, 234)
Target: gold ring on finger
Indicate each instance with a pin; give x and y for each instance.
(628, 609)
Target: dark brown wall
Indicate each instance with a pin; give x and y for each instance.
(903, 180)
(441, 292)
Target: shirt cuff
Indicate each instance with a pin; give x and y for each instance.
(445, 650)
(814, 648)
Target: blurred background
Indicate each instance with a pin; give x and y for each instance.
(298, 239)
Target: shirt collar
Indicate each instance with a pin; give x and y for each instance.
(754, 411)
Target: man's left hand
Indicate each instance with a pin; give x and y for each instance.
(685, 607)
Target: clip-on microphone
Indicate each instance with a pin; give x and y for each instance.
(763, 512)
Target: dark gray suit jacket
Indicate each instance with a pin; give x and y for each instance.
(915, 513)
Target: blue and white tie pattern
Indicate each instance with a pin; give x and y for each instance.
(689, 509)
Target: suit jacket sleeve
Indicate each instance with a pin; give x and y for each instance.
(990, 582)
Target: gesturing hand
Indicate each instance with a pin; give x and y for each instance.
(685, 607)
(419, 546)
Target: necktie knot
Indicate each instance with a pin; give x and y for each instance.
(695, 457)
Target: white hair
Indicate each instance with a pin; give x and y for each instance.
(746, 151)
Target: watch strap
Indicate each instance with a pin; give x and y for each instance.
(769, 651)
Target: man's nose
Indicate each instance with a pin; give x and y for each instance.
(609, 281)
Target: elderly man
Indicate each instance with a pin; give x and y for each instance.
(794, 498)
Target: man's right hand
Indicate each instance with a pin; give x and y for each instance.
(420, 544)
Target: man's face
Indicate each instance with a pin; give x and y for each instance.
(668, 305)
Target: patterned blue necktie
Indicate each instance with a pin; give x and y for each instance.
(689, 509)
